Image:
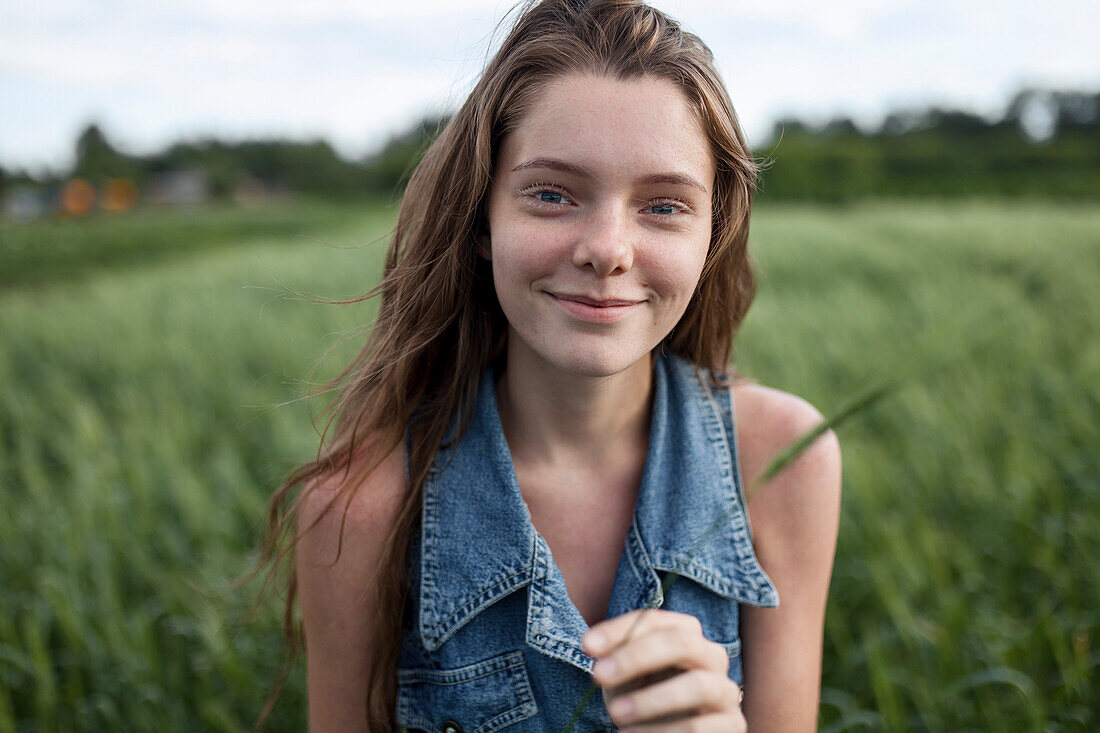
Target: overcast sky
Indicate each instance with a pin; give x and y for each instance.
(356, 71)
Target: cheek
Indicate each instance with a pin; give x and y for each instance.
(693, 264)
(679, 275)
(524, 252)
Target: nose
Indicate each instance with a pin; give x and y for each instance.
(605, 243)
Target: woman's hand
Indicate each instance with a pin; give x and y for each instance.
(659, 673)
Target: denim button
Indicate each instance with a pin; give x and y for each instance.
(449, 726)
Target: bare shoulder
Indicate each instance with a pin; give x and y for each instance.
(795, 518)
(353, 506)
(371, 498)
(797, 511)
(344, 523)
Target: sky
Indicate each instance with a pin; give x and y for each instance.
(355, 72)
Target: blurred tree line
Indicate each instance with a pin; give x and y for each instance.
(1045, 144)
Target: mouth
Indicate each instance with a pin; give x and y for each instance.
(595, 302)
(595, 310)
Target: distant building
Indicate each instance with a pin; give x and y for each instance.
(25, 203)
(179, 188)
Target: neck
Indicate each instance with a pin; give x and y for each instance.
(555, 418)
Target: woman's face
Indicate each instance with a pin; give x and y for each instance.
(599, 222)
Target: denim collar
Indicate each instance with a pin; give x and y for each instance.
(478, 543)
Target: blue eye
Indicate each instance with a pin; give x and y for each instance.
(549, 197)
(663, 209)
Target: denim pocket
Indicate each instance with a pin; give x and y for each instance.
(717, 614)
(485, 696)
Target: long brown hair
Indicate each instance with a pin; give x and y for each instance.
(439, 325)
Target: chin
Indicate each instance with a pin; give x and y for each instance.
(598, 363)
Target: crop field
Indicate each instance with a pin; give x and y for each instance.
(150, 402)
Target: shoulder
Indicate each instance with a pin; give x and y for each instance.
(344, 524)
(363, 499)
(795, 515)
(768, 420)
(343, 527)
(795, 518)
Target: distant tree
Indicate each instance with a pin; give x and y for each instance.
(944, 152)
(956, 123)
(1077, 111)
(931, 151)
(98, 160)
(840, 126)
(388, 169)
(900, 122)
(788, 126)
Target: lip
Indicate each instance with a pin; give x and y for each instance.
(594, 310)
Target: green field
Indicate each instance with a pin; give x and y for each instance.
(142, 428)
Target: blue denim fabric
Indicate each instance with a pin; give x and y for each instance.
(492, 640)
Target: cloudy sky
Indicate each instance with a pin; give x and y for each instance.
(356, 71)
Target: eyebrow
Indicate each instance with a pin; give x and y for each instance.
(678, 179)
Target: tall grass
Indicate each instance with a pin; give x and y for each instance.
(139, 442)
(965, 592)
(139, 445)
(56, 249)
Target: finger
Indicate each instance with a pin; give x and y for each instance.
(691, 693)
(609, 634)
(640, 682)
(675, 647)
(713, 723)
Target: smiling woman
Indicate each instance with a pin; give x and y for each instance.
(545, 421)
(598, 236)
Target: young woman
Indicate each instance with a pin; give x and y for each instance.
(543, 425)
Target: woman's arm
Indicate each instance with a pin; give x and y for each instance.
(336, 594)
(795, 519)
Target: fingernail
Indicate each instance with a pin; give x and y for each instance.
(595, 641)
(605, 668)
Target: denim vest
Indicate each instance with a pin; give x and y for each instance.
(492, 640)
